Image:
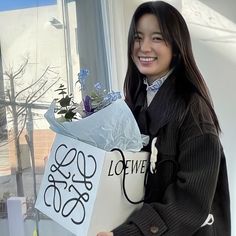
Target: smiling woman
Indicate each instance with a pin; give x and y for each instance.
(151, 53)
(184, 195)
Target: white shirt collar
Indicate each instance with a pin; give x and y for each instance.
(155, 86)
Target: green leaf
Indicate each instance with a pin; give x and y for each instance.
(61, 87)
(62, 112)
(64, 102)
(70, 114)
(62, 92)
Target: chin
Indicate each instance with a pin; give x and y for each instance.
(147, 73)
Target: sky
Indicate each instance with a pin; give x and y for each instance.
(7, 5)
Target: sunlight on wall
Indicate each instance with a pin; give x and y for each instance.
(214, 44)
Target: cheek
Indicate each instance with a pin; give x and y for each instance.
(134, 55)
(166, 55)
(134, 52)
(170, 57)
(136, 48)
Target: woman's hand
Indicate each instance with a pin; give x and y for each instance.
(105, 234)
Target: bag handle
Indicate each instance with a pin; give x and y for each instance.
(124, 175)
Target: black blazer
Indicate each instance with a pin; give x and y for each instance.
(191, 180)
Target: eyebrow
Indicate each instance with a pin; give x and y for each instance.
(157, 33)
(138, 32)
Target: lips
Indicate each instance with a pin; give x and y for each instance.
(147, 59)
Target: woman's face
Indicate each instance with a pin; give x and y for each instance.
(151, 54)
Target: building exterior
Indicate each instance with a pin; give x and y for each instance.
(45, 36)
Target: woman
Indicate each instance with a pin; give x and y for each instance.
(187, 192)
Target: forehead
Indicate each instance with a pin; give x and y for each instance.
(148, 23)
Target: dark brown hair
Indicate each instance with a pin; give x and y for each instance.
(175, 32)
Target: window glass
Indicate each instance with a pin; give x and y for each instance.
(38, 52)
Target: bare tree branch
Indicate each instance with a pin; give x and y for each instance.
(22, 127)
(23, 108)
(30, 86)
(8, 141)
(35, 93)
(21, 70)
(8, 95)
(18, 109)
(45, 91)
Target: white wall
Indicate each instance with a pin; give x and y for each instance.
(28, 32)
(214, 44)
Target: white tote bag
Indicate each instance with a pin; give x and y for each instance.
(82, 186)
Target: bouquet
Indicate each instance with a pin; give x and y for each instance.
(91, 103)
(102, 119)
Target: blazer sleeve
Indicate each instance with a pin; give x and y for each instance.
(187, 201)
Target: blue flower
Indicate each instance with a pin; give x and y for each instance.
(98, 98)
(82, 77)
(98, 86)
(87, 103)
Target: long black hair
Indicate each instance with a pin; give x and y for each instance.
(175, 33)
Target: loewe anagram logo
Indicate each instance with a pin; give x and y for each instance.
(77, 183)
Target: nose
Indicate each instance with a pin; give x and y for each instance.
(145, 45)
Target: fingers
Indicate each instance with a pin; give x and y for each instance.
(105, 234)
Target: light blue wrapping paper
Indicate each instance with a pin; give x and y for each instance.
(112, 127)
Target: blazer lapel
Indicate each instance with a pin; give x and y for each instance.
(140, 110)
(163, 107)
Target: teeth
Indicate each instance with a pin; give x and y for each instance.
(147, 59)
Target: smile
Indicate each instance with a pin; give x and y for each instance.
(147, 59)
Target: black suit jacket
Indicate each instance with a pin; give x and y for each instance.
(191, 180)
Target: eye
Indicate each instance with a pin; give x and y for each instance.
(157, 38)
(137, 37)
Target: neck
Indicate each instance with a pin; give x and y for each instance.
(151, 79)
